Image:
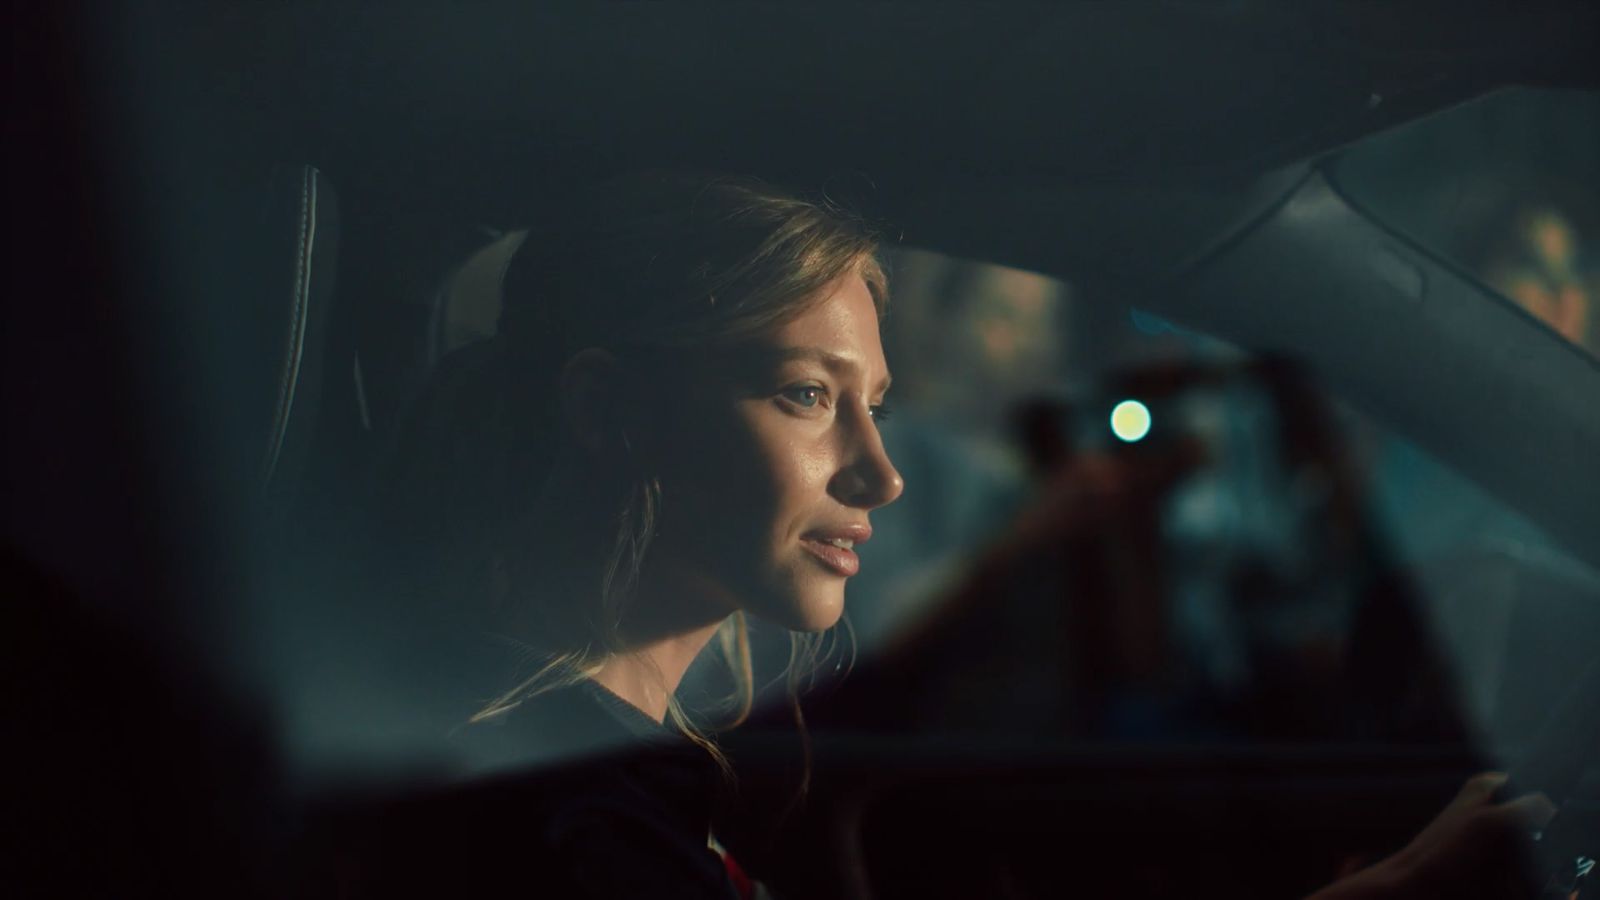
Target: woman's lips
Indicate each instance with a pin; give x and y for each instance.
(824, 543)
(842, 561)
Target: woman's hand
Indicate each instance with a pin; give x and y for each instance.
(1474, 848)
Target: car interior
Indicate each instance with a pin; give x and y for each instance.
(252, 231)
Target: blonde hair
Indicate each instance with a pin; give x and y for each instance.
(649, 268)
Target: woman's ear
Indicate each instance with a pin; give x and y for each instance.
(591, 398)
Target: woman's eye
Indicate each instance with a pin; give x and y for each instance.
(805, 396)
(880, 413)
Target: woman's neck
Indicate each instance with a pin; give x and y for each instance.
(671, 616)
(648, 675)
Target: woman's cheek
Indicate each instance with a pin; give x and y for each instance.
(747, 464)
(800, 468)
(711, 451)
(811, 467)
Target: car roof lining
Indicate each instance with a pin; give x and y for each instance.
(481, 107)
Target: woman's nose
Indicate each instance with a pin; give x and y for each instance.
(867, 480)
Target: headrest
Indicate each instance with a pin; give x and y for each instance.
(470, 307)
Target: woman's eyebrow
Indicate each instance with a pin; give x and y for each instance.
(833, 362)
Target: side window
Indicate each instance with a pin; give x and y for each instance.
(1115, 528)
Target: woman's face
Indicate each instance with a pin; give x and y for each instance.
(771, 464)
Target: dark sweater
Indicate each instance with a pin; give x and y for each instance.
(575, 794)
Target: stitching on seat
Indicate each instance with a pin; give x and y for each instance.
(297, 323)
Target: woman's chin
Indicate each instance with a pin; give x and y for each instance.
(816, 610)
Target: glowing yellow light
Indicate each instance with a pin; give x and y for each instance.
(1130, 420)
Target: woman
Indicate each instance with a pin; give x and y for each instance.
(676, 426)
